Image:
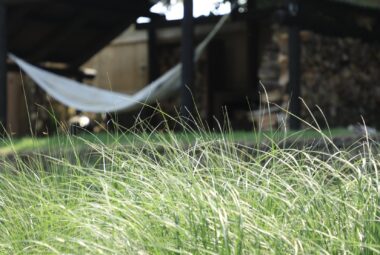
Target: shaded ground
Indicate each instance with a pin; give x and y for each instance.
(32, 144)
(85, 143)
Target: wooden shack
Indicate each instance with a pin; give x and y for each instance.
(57, 35)
(259, 45)
(70, 33)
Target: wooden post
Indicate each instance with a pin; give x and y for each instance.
(3, 66)
(294, 66)
(187, 58)
(152, 50)
(147, 112)
(216, 61)
(253, 53)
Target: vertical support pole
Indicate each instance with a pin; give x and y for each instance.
(3, 66)
(253, 53)
(294, 66)
(187, 58)
(79, 78)
(147, 112)
(152, 50)
(216, 60)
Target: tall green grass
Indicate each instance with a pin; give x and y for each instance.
(212, 196)
(26, 145)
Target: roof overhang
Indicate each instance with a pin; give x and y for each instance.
(67, 31)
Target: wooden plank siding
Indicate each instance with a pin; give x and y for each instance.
(123, 65)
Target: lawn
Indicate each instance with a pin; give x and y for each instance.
(64, 141)
(210, 197)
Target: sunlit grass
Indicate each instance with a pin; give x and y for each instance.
(156, 196)
(56, 142)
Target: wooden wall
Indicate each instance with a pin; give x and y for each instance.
(123, 65)
(18, 123)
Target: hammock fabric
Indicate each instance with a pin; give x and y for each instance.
(91, 99)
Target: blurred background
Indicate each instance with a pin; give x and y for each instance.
(332, 46)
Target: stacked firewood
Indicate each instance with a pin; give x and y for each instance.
(340, 75)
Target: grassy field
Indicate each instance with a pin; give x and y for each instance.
(64, 141)
(211, 197)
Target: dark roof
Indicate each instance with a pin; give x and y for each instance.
(67, 31)
(371, 4)
(72, 31)
(342, 18)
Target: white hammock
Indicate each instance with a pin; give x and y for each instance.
(91, 99)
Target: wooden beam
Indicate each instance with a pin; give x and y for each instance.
(74, 73)
(3, 66)
(152, 51)
(294, 67)
(161, 22)
(147, 113)
(130, 18)
(334, 19)
(14, 24)
(100, 42)
(58, 36)
(15, 2)
(187, 50)
(260, 14)
(253, 53)
(216, 67)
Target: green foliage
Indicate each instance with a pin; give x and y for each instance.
(66, 142)
(157, 196)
